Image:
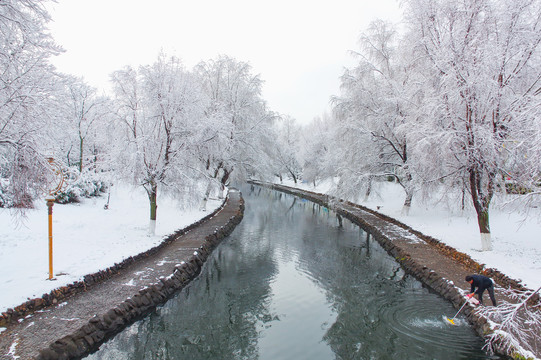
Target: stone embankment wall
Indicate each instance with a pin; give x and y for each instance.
(101, 328)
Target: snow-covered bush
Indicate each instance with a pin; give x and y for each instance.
(87, 185)
(10, 198)
(5, 199)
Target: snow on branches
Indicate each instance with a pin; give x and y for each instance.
(516, 323)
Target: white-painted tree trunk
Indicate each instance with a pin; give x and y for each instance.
(223, 192)
(407, 202)
(152, 228)
(486, 242)
(406, 210)
(203, 205)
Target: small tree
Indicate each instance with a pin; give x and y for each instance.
(316, 149)
(288, 148)
(87, 110)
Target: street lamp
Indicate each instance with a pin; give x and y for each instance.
(55, 183)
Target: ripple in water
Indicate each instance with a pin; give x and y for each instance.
(419, 319)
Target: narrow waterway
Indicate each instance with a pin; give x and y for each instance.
(292, 283)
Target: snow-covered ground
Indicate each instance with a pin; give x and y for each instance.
(516, 237)
(86, 238)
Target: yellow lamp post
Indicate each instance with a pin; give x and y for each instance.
(50, 202)
(55, 182)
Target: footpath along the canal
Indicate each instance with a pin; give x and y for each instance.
(436, 265)
(81, 317)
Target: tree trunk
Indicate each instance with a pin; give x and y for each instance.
(368, 189)
(203, 206)
(484, 228)
(293, 176)
(153, 203)
(463, 200)
(408, 188)
(483, 221)
(152, 197)
(81, 143)
(481, 203)
(225, 178)
(224, 181)
(407, 203)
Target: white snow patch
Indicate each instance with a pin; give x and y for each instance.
(12, 350)
(130, 283)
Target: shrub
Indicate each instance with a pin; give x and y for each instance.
(87, 185)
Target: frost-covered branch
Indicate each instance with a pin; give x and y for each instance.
(516, 324)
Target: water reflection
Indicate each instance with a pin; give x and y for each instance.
(293, 281)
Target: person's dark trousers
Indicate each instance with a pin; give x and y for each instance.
(490, 293)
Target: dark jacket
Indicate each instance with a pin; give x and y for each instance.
(481, 283)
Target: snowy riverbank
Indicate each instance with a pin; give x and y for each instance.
(87, 238)
(516, 238)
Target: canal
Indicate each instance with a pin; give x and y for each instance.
(292, 282)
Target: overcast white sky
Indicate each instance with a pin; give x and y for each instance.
(299, 47)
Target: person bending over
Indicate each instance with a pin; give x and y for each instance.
(481, 283)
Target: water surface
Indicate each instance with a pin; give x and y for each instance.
(292, 283)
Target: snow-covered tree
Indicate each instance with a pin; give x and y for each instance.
(354, 159)
(87, 112)
(25, 95)
(516, 324)
(287, 151)
(241, 120)
(158, 106)
(316, 149)
(378, 100)
(484, 58)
